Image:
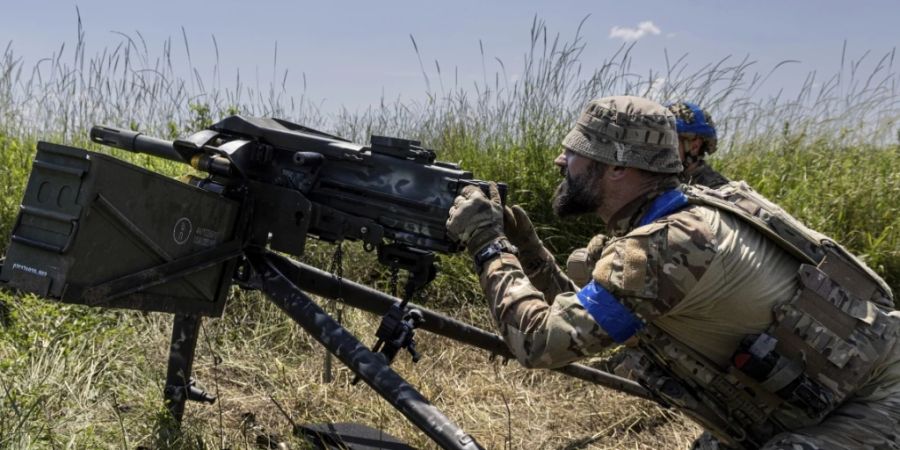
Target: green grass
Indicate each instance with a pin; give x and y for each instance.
(75, 377)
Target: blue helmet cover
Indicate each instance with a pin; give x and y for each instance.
(698, 126)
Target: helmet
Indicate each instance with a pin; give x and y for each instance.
(627, 131)
(691, 119)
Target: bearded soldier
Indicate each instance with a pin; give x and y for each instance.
(765, 332)
(696, 139)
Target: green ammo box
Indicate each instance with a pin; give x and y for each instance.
(98, 231)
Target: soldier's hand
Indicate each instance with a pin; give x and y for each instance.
(580, 265)
(519, 229)
(476, 220)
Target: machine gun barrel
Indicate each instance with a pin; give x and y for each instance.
(136, 142)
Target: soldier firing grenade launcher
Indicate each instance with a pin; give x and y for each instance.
(95, 230)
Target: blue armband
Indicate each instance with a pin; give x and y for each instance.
(618, 322)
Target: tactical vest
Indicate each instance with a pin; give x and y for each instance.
(822, 346)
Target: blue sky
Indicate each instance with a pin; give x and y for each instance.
(352, 53)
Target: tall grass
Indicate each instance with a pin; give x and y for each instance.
(72, 377)
(72, 90)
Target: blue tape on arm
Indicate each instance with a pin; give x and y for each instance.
(618, 322)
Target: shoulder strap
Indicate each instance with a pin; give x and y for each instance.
(758, 217)
(808, 246)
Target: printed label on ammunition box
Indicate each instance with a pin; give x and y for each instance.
(204, 237)
(31, 270)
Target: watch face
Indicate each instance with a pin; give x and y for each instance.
(491, 251)
(486, 254)
(488, 251)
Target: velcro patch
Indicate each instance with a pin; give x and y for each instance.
(630, 266)
(635, 265)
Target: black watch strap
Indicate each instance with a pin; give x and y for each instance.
(491, 251)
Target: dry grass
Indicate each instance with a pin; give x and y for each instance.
(108, 394)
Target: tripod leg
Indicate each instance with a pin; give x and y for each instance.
(371, 367)
(185, 330)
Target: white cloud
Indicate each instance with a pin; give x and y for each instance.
(633, 34)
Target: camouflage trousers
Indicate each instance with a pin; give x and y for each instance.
(870, 422)
(854, 425)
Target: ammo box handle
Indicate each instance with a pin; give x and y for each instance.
(50, 215)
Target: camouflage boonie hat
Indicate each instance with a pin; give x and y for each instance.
(627, 131)
(693, 120)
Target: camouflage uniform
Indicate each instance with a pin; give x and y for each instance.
(700, 280)
(581, 261)
(713, 270)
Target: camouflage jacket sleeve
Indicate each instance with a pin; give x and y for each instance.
(649, 270)
(539, 333)
(653, 268)
(544, 273)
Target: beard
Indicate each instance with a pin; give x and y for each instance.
(579, 195)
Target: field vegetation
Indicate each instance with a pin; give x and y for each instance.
(73, 377)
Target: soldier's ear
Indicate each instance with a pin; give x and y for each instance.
(615, 172)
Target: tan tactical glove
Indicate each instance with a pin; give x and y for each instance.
(476, 220)
(538, 263)
(580, 265)
(520, 231)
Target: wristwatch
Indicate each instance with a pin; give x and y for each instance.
(491, 251)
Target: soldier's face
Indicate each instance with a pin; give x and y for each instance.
(689, 145)
(580, 191)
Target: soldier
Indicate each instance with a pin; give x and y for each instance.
(766, 333)
(696, 139)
